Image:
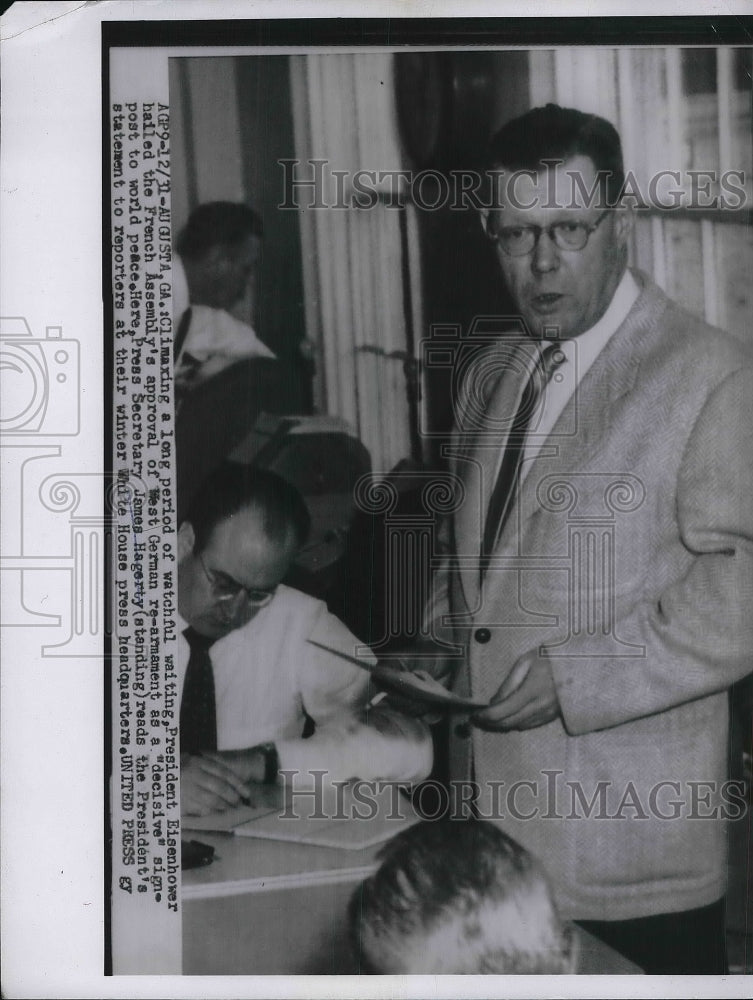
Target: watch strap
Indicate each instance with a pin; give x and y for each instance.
(271, 762)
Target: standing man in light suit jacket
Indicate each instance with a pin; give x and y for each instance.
(599, 579)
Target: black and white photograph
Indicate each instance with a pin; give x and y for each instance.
(417, 567)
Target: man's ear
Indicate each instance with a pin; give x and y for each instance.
(624, 223)
(483, 214)
(217, 257)
(186, 539)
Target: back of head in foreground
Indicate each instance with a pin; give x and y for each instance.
(453, 897)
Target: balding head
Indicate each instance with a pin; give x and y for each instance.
(458, 896)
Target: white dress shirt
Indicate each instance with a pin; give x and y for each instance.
(215, 338)
(580, 353)
(215, 332)
(268, 676)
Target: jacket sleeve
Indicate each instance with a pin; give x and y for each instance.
(698, 635)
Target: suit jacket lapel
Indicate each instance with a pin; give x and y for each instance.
(611, 376)
(478, 445)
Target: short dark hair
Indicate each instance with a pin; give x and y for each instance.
(556, 133)
(217, 223)
(235, 487)
(457, 896)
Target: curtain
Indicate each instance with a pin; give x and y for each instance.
(356, 261)
(672, 116)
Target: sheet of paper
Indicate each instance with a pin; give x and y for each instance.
(415, 684)
(423, 687)
(227, 822)
(355, 818)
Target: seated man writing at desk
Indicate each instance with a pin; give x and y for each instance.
(248, 676)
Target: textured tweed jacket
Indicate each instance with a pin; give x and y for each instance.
(628, 562)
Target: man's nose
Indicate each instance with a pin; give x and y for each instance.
(545, 254)
(234, 609)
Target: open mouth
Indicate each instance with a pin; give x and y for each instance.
(547, 302)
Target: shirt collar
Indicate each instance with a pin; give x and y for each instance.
(593, 341)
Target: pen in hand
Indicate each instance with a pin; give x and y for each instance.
(378, 697)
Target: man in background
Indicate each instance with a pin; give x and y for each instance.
(214, 274)
(249, 678)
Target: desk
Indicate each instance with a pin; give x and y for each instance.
(267, 907)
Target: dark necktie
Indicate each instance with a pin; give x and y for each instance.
(181, 334)
(198, 713)
(505, 487)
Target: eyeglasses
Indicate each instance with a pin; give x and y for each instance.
(517, 241)
(225, 589)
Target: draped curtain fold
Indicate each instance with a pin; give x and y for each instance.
(354, 260)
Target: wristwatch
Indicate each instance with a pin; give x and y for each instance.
(271, 762)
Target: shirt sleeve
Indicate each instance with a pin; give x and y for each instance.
(332, 688)
(350, 741)
(215, 331)
(380, 744)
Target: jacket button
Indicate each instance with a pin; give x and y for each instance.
(482, 635)
(463, 730)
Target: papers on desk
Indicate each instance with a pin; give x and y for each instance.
(350, 834)
(267, 801)
(338, 824)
